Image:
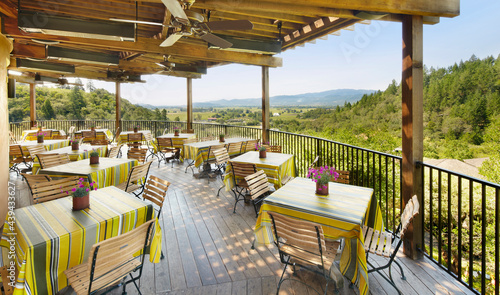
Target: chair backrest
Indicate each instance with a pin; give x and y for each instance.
(134, 137)
(88, 136)
(71, 131)
(313, 164)
(257, 184)
(275, 149)
(59, 136)
(250, 145)
(211, 149)
(113, 151)
(32, 179)
(235, 148)
(99, 142)
(164, 143)
(16, 151)
(54, 189)
(298, 234)
(148, 137)
(51, 160)
(207, 138)
(138, 154)
(117, 132)
(12, 139)
(190, 131)
(155, 191)
(35, 150)
(343, 177)
(112, 259)
(242, 170)
(410, 211)
(138, 172)
(190, 140)
(221, 156)
(48, 134)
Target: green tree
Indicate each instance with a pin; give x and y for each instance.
(77, 103)
(177, 119)
(47, 111)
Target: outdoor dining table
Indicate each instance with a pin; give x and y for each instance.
(49, 144)
(80, 154)
(177, 141)
(31, 134)
(341, 215)
(275, 165)
(49, 237)
(109, 171)
(197, 151)
(99, 134)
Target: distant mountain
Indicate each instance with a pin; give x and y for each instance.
(316, 99)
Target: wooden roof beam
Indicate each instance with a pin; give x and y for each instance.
(148, 45)
(7, 8)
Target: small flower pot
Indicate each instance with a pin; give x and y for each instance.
(92, 128)
(221, 138)
(81, 203)
(75, 146)
(136, 129)
(321, 190)
(94, 160)
(262, 154)
(176, 133)
(39, 139)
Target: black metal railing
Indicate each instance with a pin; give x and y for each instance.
(460, 213)
(461, 219)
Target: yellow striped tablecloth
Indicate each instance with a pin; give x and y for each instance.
(80, 154)
(50, 144)
(99, 133)
(49, 237)
(31, 134)
(107, 173)
(177, 141)
(275, 165)
(197, 151)
(341, 214)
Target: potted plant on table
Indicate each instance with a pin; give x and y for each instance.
(94, 157)
(92, 128)
(136, 128)
(39, 136)
(322, 175)
(176, 131)
(262, 150)
(221, 137)
(81, 194)
(74, 144)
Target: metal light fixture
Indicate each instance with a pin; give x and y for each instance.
(72, 55)
(44, 66)
(39, 22)
(251, 46)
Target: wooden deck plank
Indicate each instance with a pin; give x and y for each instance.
(254, 286)
(224, 288)
(239, 288)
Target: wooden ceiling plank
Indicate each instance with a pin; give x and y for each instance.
(7, 8)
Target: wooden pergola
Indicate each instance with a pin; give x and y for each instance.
(57, 39)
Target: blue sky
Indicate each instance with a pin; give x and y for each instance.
(367, 58)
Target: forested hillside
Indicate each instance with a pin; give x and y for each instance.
(461, 114)
(66, 103)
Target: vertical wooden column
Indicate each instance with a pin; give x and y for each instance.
(5, 188)
(265, 104)
(32, 104)
(412, 110)
(118, 110)
(189, 103)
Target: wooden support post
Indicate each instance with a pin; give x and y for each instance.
(265, 104)
(32, 104)
(118, 110)
(5, 186)
(189, 103)
(412, 111)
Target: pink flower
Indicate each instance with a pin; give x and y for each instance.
(73, 189)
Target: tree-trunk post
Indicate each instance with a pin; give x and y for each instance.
(265, 104)
(189, 103)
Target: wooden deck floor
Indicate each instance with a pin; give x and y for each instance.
(208, 249)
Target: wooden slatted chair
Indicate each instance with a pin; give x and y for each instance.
(210, 159)
(54, 189)
(190, 131)
(240, 171)
(115, 136)
(99, 142)
(114, 151)
(134, 140)
(259, 189)
(88, 136)
(48, 134)
(6, 287)
(35, 150)
(112, 260)
(12, 139)
(275, 148)
(71, 132)
(32, 179)
(343, 177)
(235, 149)
(17, 157)
(221, 159)
(59, 136)
(138, 154)
(302, 243)
(381, 243)
(136, 179)
(250, 145)
(51, 160)
(167, 150)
